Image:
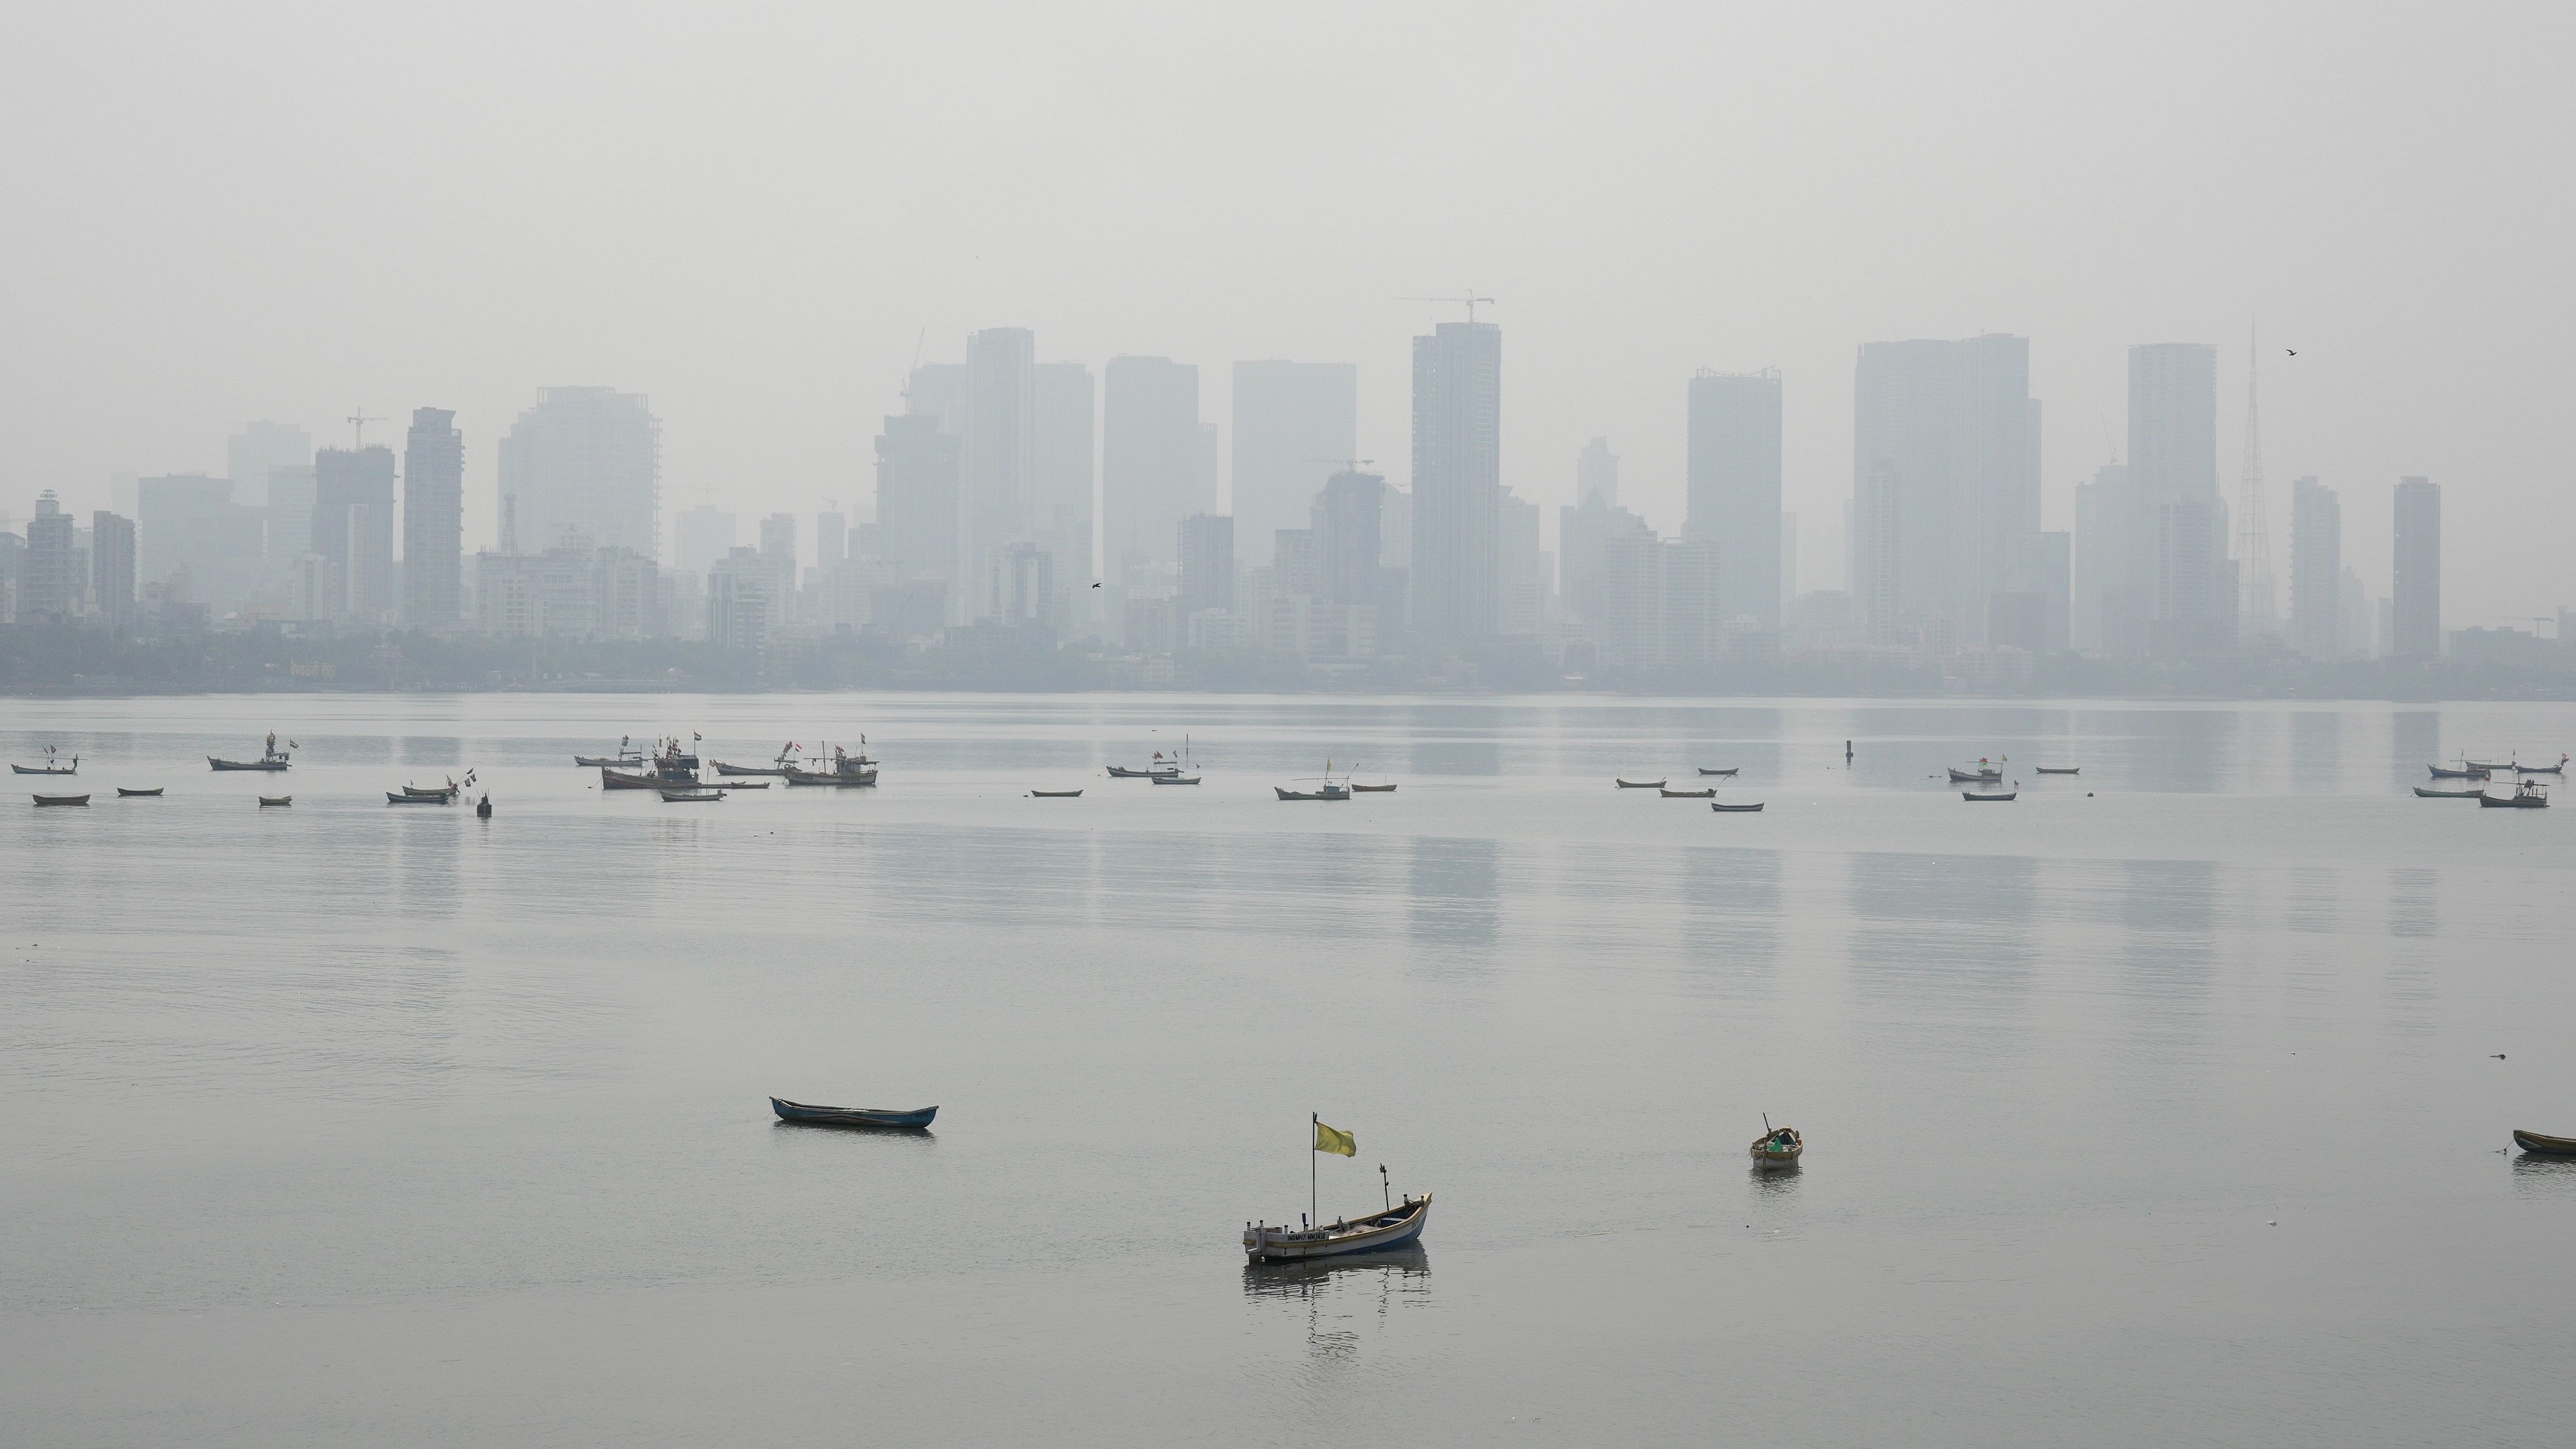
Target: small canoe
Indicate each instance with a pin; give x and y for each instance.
(1176, 779)
(1394, 1228)
(850, 1116)
(62, 799)
(1779, 1147)
(1707, 794)
(2059, 769)
(1374, 789)
(267, 800)
(1705, 770)
(2430, 793)
(124, 794)
(441, 798)
(1723, 808)
(1055, 794)
(1642, 784)
(1974, 777)
(271, 765)
(1988, 795)
(2543, 1146)
(1329, 792)
(691, 797)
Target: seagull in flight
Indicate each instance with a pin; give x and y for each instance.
(2291, 350)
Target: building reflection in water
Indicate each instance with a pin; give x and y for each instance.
(1456, 890)
(2316, 751)
(1731, 932)
(2415, 741)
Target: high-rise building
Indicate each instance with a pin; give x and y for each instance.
(1060, 515)
(1585, 530)
(188, 522)
(49, 582)
(2114, 578)
(1295, 425)
(2415, 593)
(1207, 563)
(1457, 482)
(778, 541)
(1734, 480)
(250, 454)
(2173, 464)
(1945, 485)
(1788, 556)
(1347, 521)
(2316, 570)
(997, 456)
(1596, 473)
(353, 527)
(1521, 568)
(111, 568)
(289, 514)
(585, 462)
(433, 508)
(917, 502)
(700, 536)
(1156, 463)
(831, 540)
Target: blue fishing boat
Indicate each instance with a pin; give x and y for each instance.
(850, 1116)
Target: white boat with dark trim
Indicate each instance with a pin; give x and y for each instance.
(1393, 1228)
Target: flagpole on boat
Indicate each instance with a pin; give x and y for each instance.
(1312, 1205)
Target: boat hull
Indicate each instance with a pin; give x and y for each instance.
(812, 1116)
(1975, 777)
(724, 769)
(2512, 802)
(2544, 1146)
(1121, 772)
(1395, 1228)
(1329, 792)
(271, 766)
(1641, 784)
(61, 799)
(809, 777)
(1973, 795)
(2429, 793)
(609, 762)
(1176, 779)
(1708, 794)
(1055, 794)
(691, 797)
(2076, 770)
(266, 801)
(1724, 809)
(1374, 789)
(124, 794)
(393, 799)
(2472, 773)
(44, 770)
(1707, 771)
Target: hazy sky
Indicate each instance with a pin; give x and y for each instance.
(751, 213)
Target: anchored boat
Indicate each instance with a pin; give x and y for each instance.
(2544, 1146)
(813, 1116)
(1778, 1146)
(2527, 795)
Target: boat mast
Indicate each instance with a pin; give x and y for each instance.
(1313, 1207)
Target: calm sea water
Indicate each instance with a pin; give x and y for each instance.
(2161, 1105)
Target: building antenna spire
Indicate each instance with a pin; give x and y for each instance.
(2256, 602)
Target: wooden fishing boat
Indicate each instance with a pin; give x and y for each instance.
(1393, 1228)
(850, 1116)
(1723, 808)
(1640, 784)
(609, 762)
(615, 780)
(2466, 772)
(691, 797)
(2430, 793)
(2544, 1146)
(1176, 779)
(2557, 769)
(124, 794)
(1055, 794)
(1121, 772)
(267, 800)
(729, 784)
(1708, 794)
(1374, 789)
(2527, 795)
(829, 777)
(1779, 1147)
(442, 798)
(271, 763)
(2059, 769)
(778, 769)
(62, 799)
(1705, 770)
(428, 792)
(2490, 766)
(1988, 795)
(71, 769)
(1974, 777)
(1326, 792)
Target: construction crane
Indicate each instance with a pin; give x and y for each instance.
(1471, 299)
(358, 423)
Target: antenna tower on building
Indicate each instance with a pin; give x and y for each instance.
(2257, 605)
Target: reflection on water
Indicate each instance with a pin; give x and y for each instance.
(2536, 1178)
(2415, 741)
(1343, 1299)
(1457, 890)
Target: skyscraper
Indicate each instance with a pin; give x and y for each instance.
(997, 455)
(111, 568)
(1207, 563)
(353, 527)
(49, 582)
(1457, 481)
(2173, 464)
(289, 515)
(1060, 517)
(831, 540)
(1156, 463)
(1295, 425)
(433, 508)
(2316, 570)
(1347, 517)
(1596, 474)
(1945, 485)
(188, 530)
(1520, 569)
(258, 448)
(917, 506)
(700, 536)
(2415, 594)
(586, 461)
(1734, 477)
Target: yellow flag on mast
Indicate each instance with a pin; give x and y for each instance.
(1334, 1139)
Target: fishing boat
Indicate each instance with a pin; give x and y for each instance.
(2541, 1145)
(1055, 794)
(2059, 769)
(267, 800)
(850, 1116)
(2557, 769)
(609, 762)
(1640, 784)
(271, 758)
(1724, 808)
(407, 798)
(2465, 772)
(1705, 770)
(1979, 776)
(614, 780)
(732, 785)
(1176, 779)
(782, 764)
(1988, 794)
(2527, 795)
(124, 794)
(1708, 794)
(449, 790)
(2431, 793)
(1121, 772)
(1327, 791)
(691, 797)
(1778, 1146)
(1385, 789)
(62, 799)
(2492, 767)
(1395, 1227)
(51, 766)
(847, 769)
